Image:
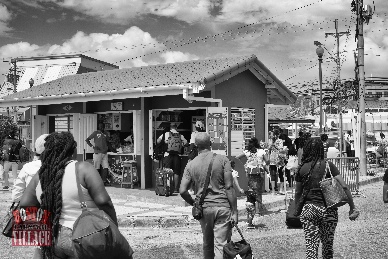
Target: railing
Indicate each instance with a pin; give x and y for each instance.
(349, 169)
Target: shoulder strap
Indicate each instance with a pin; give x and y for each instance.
(80, 193)
(207, 181)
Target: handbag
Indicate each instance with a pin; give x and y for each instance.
(9, 220)
(241, 248)
(197, 210)
(95, 235)
(332, 191)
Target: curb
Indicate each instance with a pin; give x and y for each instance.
(185, 220)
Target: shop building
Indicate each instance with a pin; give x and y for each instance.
(228, 94)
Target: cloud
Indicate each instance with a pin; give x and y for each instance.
(123, 11)
(5, 18)
(177, 56)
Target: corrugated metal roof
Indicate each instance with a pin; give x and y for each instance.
(202, 71)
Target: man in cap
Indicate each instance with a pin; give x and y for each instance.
(28, 170)
(172, 159)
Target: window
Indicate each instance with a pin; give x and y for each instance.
(385, 93)
(64, 123)
(369, 94)
(379, 94)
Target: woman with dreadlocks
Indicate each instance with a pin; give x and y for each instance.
(318, 222)
(54, 188)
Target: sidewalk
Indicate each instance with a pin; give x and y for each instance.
(143, 208)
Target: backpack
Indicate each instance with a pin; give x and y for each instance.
(174, 143)
(13, 151)
(24, 154)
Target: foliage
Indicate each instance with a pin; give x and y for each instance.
(7, 127)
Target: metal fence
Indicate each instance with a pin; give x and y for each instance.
(349, 169)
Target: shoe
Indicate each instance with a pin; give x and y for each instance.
(5, 188)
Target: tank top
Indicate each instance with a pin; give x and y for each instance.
(71, 209)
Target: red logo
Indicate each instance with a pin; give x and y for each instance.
(32, 227)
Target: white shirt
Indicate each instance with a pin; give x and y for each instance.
(28, 171)
(255, 159)
(71, 208)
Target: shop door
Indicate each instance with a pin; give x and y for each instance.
(217, 124)
(87, 125)
(39, 127)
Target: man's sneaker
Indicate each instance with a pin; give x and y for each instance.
(5, 188)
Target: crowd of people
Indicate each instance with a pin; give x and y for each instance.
(41, 183)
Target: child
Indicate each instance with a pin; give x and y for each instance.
(235, 176)
(250, 207)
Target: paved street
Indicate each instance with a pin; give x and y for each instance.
(365, 238)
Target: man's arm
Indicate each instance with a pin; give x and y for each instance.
(89, 138)
(160, 138)
(230, 192)
(19, 186)
(184, 188)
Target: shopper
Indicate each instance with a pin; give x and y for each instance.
(220, 203)
(255, 169)
(29, 170)
(319, 223)
(58, 170)
(172, 159)
(100, 156)
(385, 187)
(11, 148)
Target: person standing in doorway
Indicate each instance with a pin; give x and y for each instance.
(100, 156)
(172, 159)
(11, 147)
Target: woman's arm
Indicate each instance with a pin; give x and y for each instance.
(385, 192)
(298, 191)
(96, 188)
(347, 191)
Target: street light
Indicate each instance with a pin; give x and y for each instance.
(320, 52)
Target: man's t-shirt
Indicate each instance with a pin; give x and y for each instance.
(315, 195)
(196, 171)
(100, 140)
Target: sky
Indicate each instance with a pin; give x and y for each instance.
(129, 33)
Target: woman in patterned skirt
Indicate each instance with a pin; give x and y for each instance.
(254, 168)
(319, 223)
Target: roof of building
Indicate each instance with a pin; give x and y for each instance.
(206, 73)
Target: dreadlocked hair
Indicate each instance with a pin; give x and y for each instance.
(313, 151)
(59, 148)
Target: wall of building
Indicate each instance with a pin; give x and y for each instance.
(177, 101)
(246, 91)
(60, 108)
(103, 106)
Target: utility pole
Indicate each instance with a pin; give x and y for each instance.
(364, 14)
(337, 35)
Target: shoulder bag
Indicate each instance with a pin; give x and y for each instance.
(197, 209)
(9, 220)
(332, 191)
(95, 235)
(241, 249)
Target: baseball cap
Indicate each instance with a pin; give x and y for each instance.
(39, 144)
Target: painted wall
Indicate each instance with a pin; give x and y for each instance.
(177, 101)
(59, 108)
(103, 106)
(246, 91)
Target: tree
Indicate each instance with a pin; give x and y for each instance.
(7, 127)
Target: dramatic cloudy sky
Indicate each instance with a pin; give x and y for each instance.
(131, 33)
